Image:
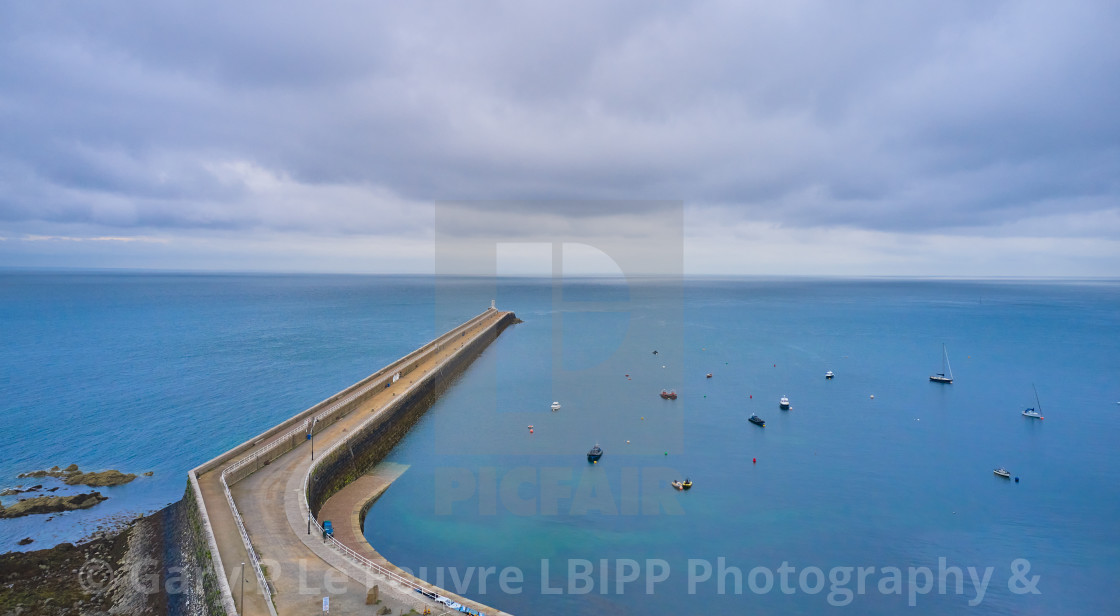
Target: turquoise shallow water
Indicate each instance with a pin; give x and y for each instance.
(161, 372)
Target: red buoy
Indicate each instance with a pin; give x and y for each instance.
(754, 460)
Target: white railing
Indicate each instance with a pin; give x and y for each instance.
(304, 429)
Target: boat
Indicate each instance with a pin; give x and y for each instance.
(783, 403)
(1002, 472)
(828, 375)
(555, 406)
(940, 376)
(668, 395)
(709, 375)
(687, 485)
(595, 453)
(756, 420)
(1035, 412)
(677, 484)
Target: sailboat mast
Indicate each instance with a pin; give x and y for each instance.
(945, 361)
(1038, 404)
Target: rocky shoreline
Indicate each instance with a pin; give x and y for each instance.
(150, 565)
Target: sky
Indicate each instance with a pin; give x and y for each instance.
(889, 138)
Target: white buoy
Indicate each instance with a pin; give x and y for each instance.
(872, 396)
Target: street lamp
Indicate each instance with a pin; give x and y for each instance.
(312, 436)
(242, 588)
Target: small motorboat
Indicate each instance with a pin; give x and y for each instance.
(676, 483)
(555, 406)
(687, 485)
(668, 395)
(595, 453)
(1002, 472)
(784, 403)
(709, 375)
(756, 420)
(828, 375)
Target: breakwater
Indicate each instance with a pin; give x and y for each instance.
(239, 513)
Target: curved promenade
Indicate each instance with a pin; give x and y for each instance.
(257, 493)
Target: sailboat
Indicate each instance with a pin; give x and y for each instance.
(1036, 412)
(940, 376)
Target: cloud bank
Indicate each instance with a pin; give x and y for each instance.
(802, 137)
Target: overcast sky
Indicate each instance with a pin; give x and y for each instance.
(853, 138)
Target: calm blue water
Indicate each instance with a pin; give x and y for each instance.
(162, 372)
(842, 480)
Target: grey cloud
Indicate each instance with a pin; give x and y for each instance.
(875, 115)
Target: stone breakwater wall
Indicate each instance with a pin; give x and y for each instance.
(367, 445)
(278, 440)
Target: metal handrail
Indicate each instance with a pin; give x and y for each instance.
(253, 560)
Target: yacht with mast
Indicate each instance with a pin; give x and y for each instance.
(945, 369)
(1035, 412)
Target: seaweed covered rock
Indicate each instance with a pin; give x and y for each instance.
(51, 504)
(72, 475)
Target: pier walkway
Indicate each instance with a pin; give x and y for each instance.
(263, 485)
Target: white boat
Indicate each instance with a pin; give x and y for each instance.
(940, 376)
(784, 403)
(1002, 472)
(828, 375)
(555, 406)
(1035, 412)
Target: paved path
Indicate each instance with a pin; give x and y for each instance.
(345, 508)
(300, 567)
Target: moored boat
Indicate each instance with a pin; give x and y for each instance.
(668, 395)
(1031, 412)
(828, 375)
(1002, 472)
(595, 453)
(687, 485)
(783, 403)
(756, 420)
(676, 483)
(555, 406)
(940, 376)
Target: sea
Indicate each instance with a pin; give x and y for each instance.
(873, 494)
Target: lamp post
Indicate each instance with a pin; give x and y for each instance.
(242, 588)
(313, 437)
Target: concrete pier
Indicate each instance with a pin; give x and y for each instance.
(258, 493)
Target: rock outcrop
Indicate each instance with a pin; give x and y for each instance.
(72, 475)
(51, 504)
